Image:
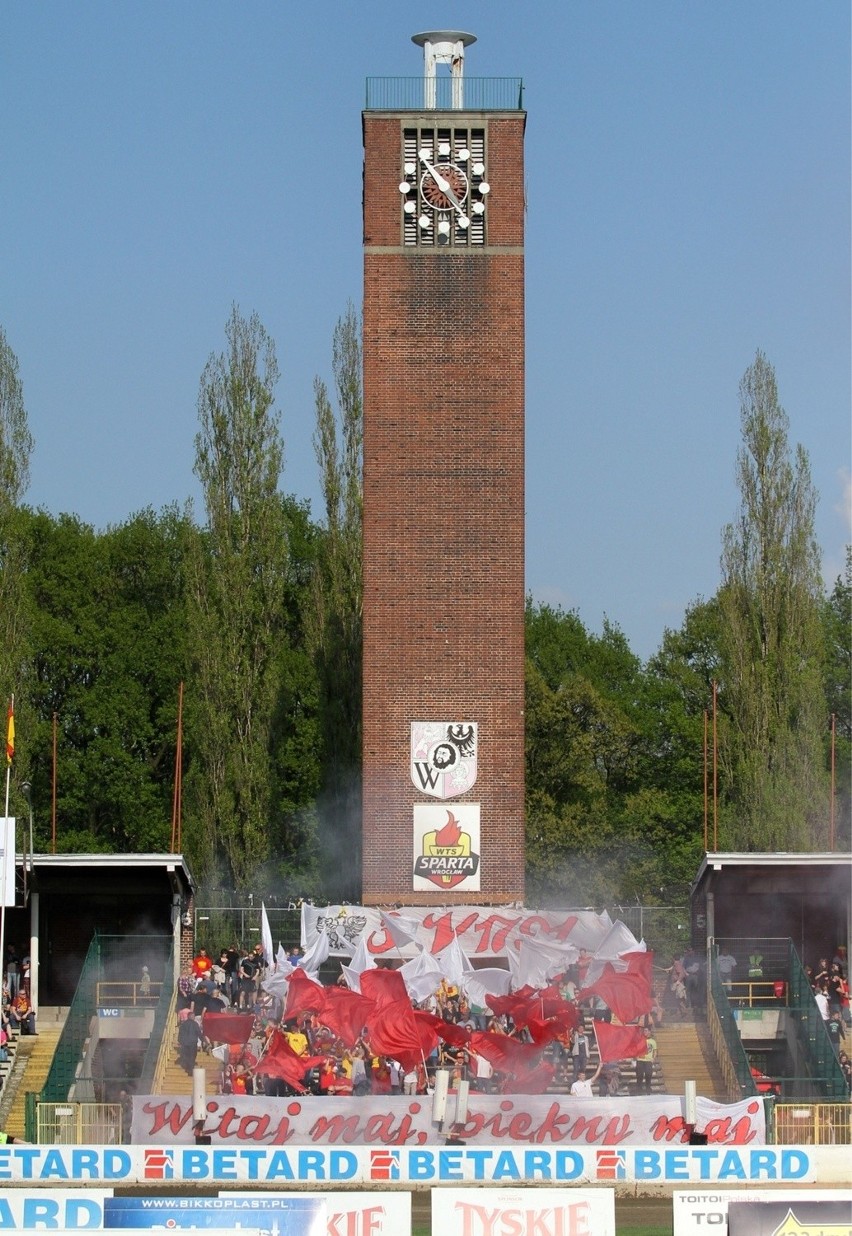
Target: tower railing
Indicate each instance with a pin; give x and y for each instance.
(469, 94)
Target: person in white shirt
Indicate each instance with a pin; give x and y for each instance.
(726, 964)
(396, 1075)
(582, 1087)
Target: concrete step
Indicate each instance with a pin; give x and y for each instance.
(176, 1081)
(686, 1054)
(36, 1052)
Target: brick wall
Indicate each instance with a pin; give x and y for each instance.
(443, 511)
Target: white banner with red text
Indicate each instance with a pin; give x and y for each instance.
(480, 931)
(641, 1120)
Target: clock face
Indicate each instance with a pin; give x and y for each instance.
(444, 189)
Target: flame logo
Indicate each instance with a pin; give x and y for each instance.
(451, 832)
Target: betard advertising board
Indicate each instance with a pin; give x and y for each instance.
(507, 1166)
(515, 1212)
(698, 1211)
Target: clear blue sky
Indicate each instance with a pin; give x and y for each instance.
(688, 179)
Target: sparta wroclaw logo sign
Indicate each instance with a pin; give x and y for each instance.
(446, 845)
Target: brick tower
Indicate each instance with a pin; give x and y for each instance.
(443, 759)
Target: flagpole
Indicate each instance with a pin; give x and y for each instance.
(10, 749)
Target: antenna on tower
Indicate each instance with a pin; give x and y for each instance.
(443, 47)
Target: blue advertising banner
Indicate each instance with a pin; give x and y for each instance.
(348, 1212)
(52, 1209)
(275, 1215)
(428, 1165)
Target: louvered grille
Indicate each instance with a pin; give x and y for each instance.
(444, 188)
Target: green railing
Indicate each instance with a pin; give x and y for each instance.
(161, 1017)
(469, 94)
(108, 958)
(726, 1038)
(806, 1022)
(769, 975)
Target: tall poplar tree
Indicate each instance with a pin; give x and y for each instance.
(16, 444)
(238, 585)
(334, 618)
(771, 639)
(837, 623)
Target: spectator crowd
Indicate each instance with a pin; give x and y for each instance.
(276, 1031)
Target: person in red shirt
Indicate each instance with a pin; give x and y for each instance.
(331, 1081)
(381, 1076)
(201, 964)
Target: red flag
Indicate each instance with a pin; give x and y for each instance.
(227, 1027)
(10, 732)
(281, 1061)
(543, 1030)
(303, 995)
(451, 1032)
(392, 1031)
(532, 1080)
(540, 1007)
(640, 963)
(505, 1053)
(619, 1042)
(426, 1031)
(502, 1004)
(628, 993)
(346, 1013)
(528, 1004)
(383, 986)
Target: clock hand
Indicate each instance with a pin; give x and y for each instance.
(443, 185)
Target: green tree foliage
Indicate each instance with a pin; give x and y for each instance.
(295, 735)
(334, 614)
(680, 681)
(16, 442)
(238, 603)
(613, 783)
(16, 446)
(771, 637)
(259, 612)
(837, 626)
(107, 626)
